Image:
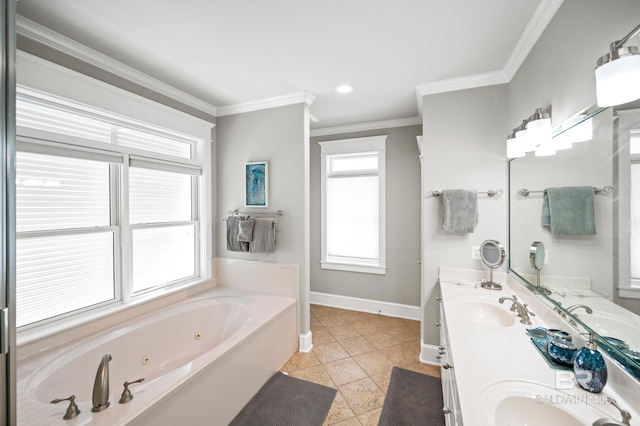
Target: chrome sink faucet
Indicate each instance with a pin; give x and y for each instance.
(100, 397)
(522, 309)
(585, 307)
(626, 417)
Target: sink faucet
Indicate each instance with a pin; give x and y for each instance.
(522, 309)
(626, 417)
(100, 397)
(585, 307)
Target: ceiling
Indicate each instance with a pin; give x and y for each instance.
(230, 53)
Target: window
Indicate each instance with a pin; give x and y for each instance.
(353, 196)
(106, 210)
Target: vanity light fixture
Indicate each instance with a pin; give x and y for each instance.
(539, 127)
(514, 150)
(618, 73)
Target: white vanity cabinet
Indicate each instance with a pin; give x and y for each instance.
(451, 408)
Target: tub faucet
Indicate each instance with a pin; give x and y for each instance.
(100, 397)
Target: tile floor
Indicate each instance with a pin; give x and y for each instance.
(354, 353)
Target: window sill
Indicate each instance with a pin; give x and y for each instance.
(351, 267)
(629, 292)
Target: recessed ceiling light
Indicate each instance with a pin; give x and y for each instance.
(344, 88)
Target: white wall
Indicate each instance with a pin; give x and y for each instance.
(280, 137)
(464, 135)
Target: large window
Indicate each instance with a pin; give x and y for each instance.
(106, 211)
(353, 193)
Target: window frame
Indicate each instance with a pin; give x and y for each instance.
(198, 166)
(374, 145)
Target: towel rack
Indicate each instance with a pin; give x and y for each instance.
(606, 189)
(277, 214)
(490, 193)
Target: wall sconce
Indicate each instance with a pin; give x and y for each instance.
(618, 73)
(534, 134)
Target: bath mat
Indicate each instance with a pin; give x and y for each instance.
(412, 399)
(287, 401)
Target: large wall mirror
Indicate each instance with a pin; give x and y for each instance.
(592, 280)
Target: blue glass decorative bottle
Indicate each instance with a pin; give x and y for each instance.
(590, 368)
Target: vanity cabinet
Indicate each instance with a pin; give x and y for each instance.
(451, 408)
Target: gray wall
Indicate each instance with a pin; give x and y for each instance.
(278, 136)
(401, 284)
(463, 148)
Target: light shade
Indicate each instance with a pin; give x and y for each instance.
(514, 150)
(618, 77)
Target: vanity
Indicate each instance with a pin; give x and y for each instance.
(493, 374)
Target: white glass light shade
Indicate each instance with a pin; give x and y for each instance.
(524, 142)
(617, 81)
(513, 149)
(546, 149)
(539, 132)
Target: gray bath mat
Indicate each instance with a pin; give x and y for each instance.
(287, 401)
(412, 399)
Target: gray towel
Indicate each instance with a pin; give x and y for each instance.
(569, 210)
(459, 210)
(232, 235)
(245, 230)
(264, 236)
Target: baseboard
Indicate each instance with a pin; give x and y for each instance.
(366, 305)
(428, 354)
(305, 342)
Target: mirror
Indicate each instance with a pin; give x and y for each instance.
(588, 279)
(492, 254)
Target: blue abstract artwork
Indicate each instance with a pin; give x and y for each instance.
(256, 186)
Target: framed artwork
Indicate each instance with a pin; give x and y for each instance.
(256, 184)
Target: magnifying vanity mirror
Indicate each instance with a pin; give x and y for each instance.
(492, 254)
(593, 280)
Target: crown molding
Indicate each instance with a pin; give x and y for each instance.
(543, 14)
(278, 101)
(36, 32)
(532, 32)
(361, 127)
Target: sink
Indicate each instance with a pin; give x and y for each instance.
(487, 313)
(515, 402)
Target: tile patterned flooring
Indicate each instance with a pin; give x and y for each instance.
(354, 353)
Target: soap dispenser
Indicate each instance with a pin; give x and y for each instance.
(589, 367)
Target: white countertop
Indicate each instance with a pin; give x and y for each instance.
(483, 355)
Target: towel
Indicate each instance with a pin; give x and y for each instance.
(245, 230)
(459, 210)
(264, 236)
(569, 210)
(232, 234)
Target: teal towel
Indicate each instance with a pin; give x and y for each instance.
(459, 210)
(569, 210)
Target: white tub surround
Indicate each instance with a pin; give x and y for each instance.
(496, 368)
(202, 358)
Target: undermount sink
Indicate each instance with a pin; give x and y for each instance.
(487, 313)
(514, 402)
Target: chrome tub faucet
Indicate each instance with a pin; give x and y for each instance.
(100, 397)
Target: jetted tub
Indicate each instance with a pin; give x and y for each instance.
(201, 359)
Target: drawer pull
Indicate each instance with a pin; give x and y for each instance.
(447, 366)
(446, 410)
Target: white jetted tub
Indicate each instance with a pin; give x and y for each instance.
(201, 359)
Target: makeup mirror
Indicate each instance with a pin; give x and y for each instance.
(536, 259)
(492, 254)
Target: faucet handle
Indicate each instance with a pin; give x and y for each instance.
(126, 394)
(526, 308)
(626, 416)
(72, 409)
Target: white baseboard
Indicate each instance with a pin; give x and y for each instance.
(428, 354)
(366, 305)
(305, 342)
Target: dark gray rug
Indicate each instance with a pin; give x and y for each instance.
(412, 399)
(287, 401)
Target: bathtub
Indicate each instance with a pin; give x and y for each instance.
(201, 359)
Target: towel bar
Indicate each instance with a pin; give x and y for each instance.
(490, 193)
(525, 192)
(237, 212)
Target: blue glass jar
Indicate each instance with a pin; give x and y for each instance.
(562, 351)
(589, 367)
